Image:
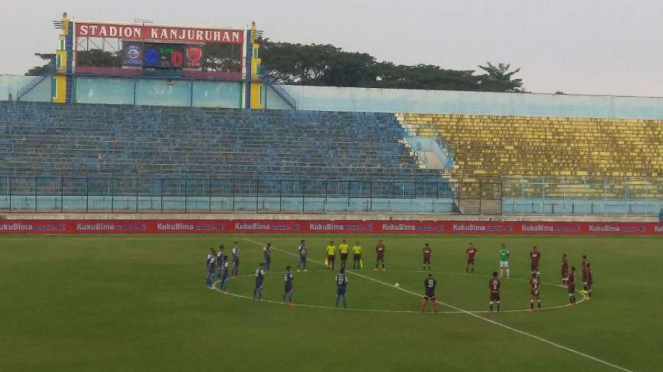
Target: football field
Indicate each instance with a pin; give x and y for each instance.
(140, 303)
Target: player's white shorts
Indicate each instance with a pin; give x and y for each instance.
(504, 264)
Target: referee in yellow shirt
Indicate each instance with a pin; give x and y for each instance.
(331, 255)
(343, 249)
(356, 256)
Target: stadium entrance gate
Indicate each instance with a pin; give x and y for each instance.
(481, 197)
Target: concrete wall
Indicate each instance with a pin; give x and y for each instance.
(124, 91)
(11, 84)
(452, 102)
(226, 95)
(158, 92)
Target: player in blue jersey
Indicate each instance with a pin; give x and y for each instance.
(211, 266)
(260, 278)
(287, 278)
(267, 252)
(303, 250)
(341, 288)
(219, 261)
(235, 252)
(224, 274)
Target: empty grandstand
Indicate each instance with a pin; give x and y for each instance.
(45, 139)
(534, 146)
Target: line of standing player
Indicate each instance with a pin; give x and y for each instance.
(357, 261)
(218, 265)
(568, 277)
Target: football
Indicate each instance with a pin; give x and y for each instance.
(397, 285)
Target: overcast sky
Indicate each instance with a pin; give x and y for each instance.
(576, 46)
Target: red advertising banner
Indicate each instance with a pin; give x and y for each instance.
(159, 33)
(323, 227)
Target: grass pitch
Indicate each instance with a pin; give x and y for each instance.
(139, 303)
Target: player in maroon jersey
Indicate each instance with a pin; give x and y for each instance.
(471, 258)
(427, 252)
(585, 266)
(589, 281)
(571, 285)
(535, 291)
(535, 256)
(494, 287)
(429, 284)
(565, 269)
(379, 252)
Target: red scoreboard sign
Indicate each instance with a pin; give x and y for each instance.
(159, 33)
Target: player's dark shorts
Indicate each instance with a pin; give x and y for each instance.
(534, 267)
(268, 258)
(571, 287)
(565, 273)
(589, 284)
(535, 292)
(494, 296)
(356, 257)
(235, 261)
(258, 283)
(584, 276)
(331, 258)
(470, 261)
(340, 291)
(426, 260)
(430, 295)
(302, 259)
(288, 288)
(344, 256)
(380, 259)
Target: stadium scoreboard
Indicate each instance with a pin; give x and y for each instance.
(162, 55)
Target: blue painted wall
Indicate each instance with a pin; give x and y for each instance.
(214, 94)
(11, 84)
(227, 95)
(476, 103)
(153, 92)
(104, 91)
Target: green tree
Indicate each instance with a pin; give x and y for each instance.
(98, 58)
(500, 78)
(223, 57)
(423, 77)
(324, 64)
(41, 69)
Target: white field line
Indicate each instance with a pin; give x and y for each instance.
(387, 310)
(319, 306)
(474, 315)
(439, 312)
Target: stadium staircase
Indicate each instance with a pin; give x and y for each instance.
(36, 81)
(285, 96)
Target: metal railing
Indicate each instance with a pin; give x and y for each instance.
(36, 81)
(285, 96)
(252, 194)
(222, 195)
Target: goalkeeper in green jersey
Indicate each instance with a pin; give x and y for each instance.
(504, 261)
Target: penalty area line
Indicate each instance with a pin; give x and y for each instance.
(493, 322)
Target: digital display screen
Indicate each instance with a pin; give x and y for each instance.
(163, 56)
(169, 56)
(132, 54)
